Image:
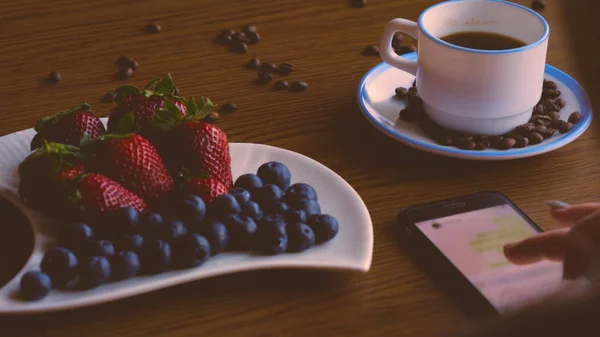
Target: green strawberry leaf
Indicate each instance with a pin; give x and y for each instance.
(39, 125)
(126, 123)
(165, 86)
(82, 106)
(124, 91)
(152, 83)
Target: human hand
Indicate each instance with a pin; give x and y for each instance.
(577, 245)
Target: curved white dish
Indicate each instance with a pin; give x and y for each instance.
(351, 249)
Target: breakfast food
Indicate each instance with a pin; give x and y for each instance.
(156, 193)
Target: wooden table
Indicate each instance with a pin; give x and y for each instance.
(324, 40)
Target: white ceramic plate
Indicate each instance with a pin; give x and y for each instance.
(376, 99)
(351, 249)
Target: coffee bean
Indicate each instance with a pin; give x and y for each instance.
(548, 103)
(54, 77)
(565, 128)
(550, 85)
(223, 39)
(238, 47)
(228, 32)
(446, 140)
(228, 107)
(540, 129)
(253, 37)
(249, 29)
(397, 39)
(212, 116)
(153, 28)
(535, 138)
(466, 144)
(125, 73)
(554, 115)
(538, 4)
(371, 50)
(285, 68)
(521, 141)
(482, 144)
(264, 78)
(550, 93)
(414, 85)
(557, 124)
(254, 63)
(525, 128)
(127, 62)
(549, 133)
(109, 97)
(298, 86)
(401, 92)
(575, 117)
(268, 67)
(508, 143)
(406, 49)
(560, 103)
(359, 3)
(539, 109)
(281, 85)
(241, 37)
(495, 141)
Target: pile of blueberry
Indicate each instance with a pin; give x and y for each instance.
(262, 213)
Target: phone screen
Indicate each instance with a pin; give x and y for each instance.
(473, 242)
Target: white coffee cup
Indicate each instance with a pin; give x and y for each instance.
(484, 92)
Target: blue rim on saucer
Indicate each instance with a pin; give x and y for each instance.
(418, 140)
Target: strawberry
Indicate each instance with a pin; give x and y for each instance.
(68, 127)
(97, 194)
(136, 108)
(46, 175)
(199, 147)
(206, 188)
(134, 162)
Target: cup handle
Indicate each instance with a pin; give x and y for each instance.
(386, 51)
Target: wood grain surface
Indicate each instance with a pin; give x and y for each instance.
(324, 40)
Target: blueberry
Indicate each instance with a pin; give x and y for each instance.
(309, 206)
(242, 230)
(275, 173)
(225, 204)
(267, 193)
(216, 233)
(325, 227)
(173, 230)
(76, 237)
(61, 265)
(191, 250)
(118, 222)
(101, 248)
(248, 182)
(156, 256)
(251, 209)
(132, 243)
(240, 194)
(191, 210)
(93, 271)
(35, 285)
(124, 265)
(302, 191)
(272, 238)
(151, 224)
(273, 220)
(275, 207)
(300, 237)
(295, 216)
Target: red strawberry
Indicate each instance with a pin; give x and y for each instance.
(97, 194)
(46, 174)
(134, 162)
(201, 148)
(68, 127)
(136, 108)
(206, 188)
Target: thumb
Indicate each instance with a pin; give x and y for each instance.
(570, 215)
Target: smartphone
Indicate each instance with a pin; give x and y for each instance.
(460, 243)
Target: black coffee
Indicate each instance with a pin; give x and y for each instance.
(483, 40)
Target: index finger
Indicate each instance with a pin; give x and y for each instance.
(549, 245)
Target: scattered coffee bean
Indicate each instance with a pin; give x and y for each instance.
(539, 109)
(109, 97)
(409, 115)
(264, 78)
(560, 103)
(508, 143)
(397, 39)
(525, 128)
(466, 144)
(575, 117)
(281, 85)
(549, 133)
(482, 144)
(228, 32)
(557, 124)
(401, 92)
(223, 39)
(241, 37)
(548, 103)
(249, 29)
(238, 47)
(565, 128)
(125, 73)
(359, 3)
(54, 77)
(127, 62)
(212, 116)
(446, 140)
(153, 28)
(414, 85)
(540, 129)
(554, 115)
(406, 49)
(521, 141)
(538, 4)
(535, 138)
(254, 63)
(228, 107)
(253, 38)
(550, 85)
(285, 68)
(268, 67)
(298, 86)
(371, 50)
(550, 93)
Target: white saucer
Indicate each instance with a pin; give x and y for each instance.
(376, 99)
(351, 249)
